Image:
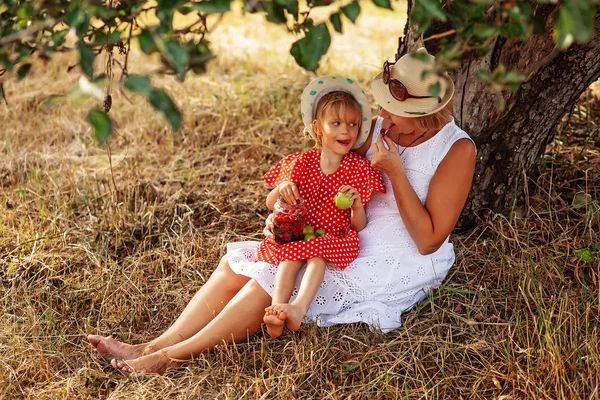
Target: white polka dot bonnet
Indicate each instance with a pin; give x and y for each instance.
(319, 87)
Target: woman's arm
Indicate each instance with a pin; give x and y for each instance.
(430, 224)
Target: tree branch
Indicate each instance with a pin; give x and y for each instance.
(25, 33)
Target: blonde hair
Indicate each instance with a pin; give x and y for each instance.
(338, 102)
(437, 120)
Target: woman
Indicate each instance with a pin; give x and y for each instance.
(428, 165)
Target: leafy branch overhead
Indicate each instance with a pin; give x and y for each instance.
(42, 29)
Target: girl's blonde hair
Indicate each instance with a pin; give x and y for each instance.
(338, 102)
(436, 121)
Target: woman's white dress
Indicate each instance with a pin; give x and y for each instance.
(389, 276)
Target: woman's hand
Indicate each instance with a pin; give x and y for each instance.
(268, 230)
(386, 160)
(289, 191)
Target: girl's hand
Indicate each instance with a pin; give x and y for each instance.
(289, 191)
(268, 230)
(386, 160)
(352, 194)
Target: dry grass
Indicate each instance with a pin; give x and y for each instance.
(119, 247)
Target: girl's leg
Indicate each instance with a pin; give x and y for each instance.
(212, 297)
(240, 319)
(311, 281)
(282, 290)
(284, 280)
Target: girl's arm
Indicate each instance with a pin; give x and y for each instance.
(358, 215)
(358, 218)
(430, 224)
(286, 189)
(272, 198)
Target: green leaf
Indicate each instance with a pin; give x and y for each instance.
(578, 16)
(75, 15)
(23, 71)
(485, 31)
(146, 42)
(421, 56)
(139, 83)
(433, 8)
(290, 5)
(212, 6)
(275, 13)
(581, 200)
(585, 254)
(179, 57)
(383, 4)
(101, 38)
(53, 100)
(82, 28)
(25, 12)
(308, 51)
(336, 21)
(86, 58)
(163, 103)
(435, 89)
(351, 11)
(101, 125)
(482, 75)
(59, 38)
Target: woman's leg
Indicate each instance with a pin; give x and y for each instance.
(240, 319)
(294, 312)
(282, 290)
(212, 297)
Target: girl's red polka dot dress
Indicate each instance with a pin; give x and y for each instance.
(340, 244)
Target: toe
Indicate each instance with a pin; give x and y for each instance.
(93, 339)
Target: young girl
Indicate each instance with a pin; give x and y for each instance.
(336, 114)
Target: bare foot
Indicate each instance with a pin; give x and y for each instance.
(156, 363)
(292, 314)
(109, 348)
(273, 321)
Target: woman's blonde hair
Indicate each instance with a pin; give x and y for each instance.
(338, 102)
(436, 121)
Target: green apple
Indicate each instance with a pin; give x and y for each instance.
(342, 201)
(308, 236)
(320, 232)
(308, 229)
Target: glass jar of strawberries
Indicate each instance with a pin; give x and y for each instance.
(288, 221)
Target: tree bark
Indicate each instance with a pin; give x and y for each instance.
(510, 141)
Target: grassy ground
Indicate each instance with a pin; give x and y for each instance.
(117, 245)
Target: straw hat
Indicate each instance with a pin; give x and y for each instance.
(409, 71)
(319, 87)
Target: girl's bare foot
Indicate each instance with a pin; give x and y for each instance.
(292, 314)
(109, 348)
(273, 321)
(153, 364)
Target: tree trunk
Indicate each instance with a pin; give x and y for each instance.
(510, 141)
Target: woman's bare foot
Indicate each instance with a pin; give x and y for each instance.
(109, 348)
(273, 321)
(156, 363)
(292, 314)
